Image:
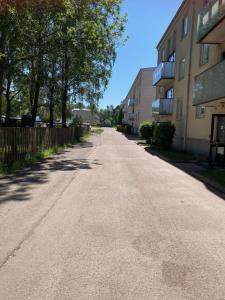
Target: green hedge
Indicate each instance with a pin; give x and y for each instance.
(146, 131)
(163, 134)
(125, 128)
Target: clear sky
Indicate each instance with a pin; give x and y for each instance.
(147, 21)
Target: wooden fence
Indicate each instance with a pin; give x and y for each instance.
(19, 143)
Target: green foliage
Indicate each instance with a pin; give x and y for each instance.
(56, 52)
(163, 134)
(119, 128)
(125, 128)
(146, 130)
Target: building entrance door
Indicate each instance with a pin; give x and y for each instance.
(217, 139)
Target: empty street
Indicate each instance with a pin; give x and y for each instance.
(108, 220)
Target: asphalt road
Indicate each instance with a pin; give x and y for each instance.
(107, 220)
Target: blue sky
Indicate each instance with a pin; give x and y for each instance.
(147, 21)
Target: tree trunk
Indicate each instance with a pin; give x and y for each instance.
(1, 92)
(35, 104)
(8, 101)
(37, 82)
(2, 71)
(51, 107)
(65, 88)
(32, 86)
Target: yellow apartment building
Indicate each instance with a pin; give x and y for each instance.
(138, 102)
(190, 77)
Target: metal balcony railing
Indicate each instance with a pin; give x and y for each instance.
(210, 16)
(162, 106)
(165, 70)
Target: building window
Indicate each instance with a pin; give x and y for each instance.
(170, 93)
(182, 68)
(162, 55)
(174, 41)
(179, 112)
(200, 112)
(172, 57)
(204, 54)
(168, 47)
(185, 25)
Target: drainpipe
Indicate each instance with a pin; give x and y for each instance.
(189, 75)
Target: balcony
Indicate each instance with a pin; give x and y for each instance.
(211, 23)
(210, 85)
(131, 102)
(164, 73)
(162, 106)
(131, 116)
(125, 110)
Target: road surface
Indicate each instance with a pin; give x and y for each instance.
(107, 220)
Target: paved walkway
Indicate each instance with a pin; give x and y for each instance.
(107, 220)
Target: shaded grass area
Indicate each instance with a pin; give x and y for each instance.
(32, 159)
(172, 155)
(97, 130)
(94, 130)
(217, 176)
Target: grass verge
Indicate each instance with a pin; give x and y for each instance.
(32, 159)
(217, 176)
(173, 155)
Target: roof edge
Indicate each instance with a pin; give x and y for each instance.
(171, 23)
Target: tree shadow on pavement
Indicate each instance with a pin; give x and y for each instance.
(20, 185)
(192, 169)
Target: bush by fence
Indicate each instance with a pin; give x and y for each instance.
(18, 143)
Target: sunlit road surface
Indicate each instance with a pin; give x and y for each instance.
(107, 220)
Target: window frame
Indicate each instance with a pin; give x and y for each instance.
(198, 113)
(185, 27)
(204, 54)
(182, 62)
(179, 109)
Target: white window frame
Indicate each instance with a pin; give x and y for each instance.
(185, 26)
(200, 112)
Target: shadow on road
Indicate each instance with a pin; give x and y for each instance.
(19, 186)
(191, 169)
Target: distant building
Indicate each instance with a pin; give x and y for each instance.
(138, 102)
(86, 115)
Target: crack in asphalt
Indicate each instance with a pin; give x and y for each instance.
(38, 223)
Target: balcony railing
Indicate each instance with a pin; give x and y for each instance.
(162, 106)
(131, 116)
(125, 110)
(210, 85)
(164, 72)
(131, 102)
(208, 19)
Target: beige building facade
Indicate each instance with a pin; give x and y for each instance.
(138, 102)
(191, 75)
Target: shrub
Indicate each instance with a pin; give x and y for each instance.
(146, 130)
(127, 129)
(119, 128)
(164, 134)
